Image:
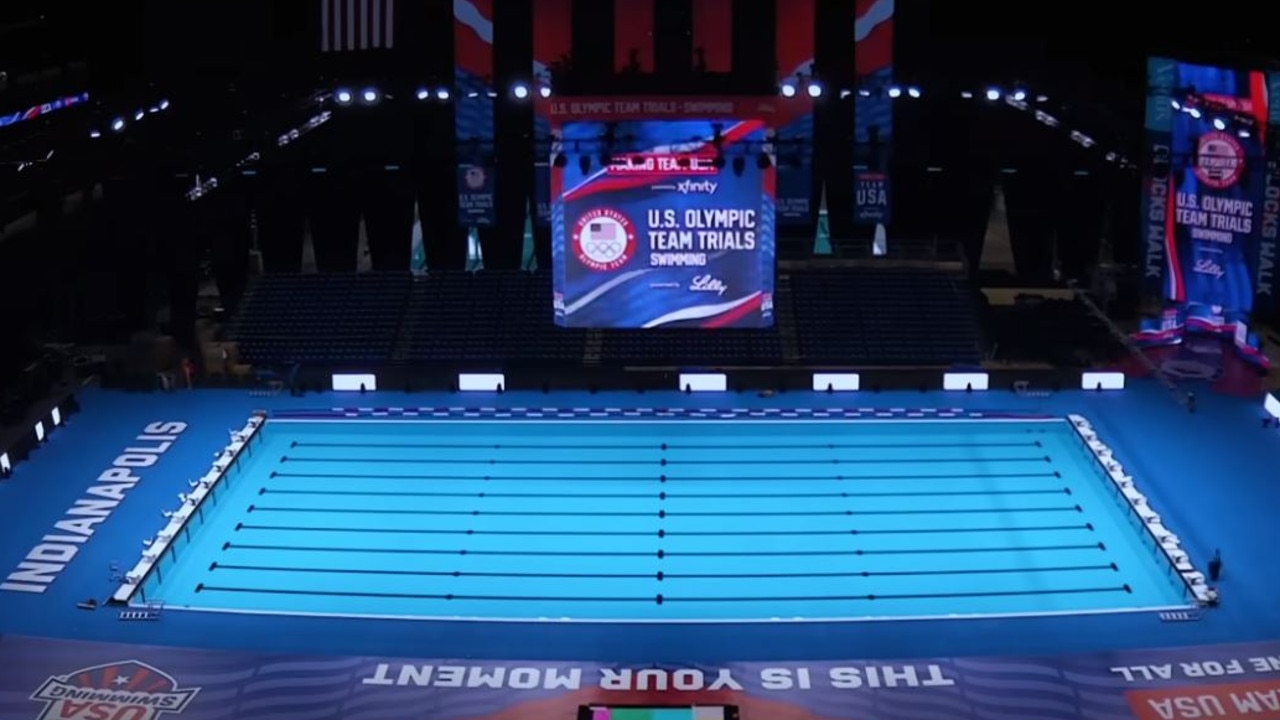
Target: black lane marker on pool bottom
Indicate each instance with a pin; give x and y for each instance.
(647, 478)
(649, 533)
(662, 576)
(566, 598)
(662, 446)
(663, 461)
(661, 495)
(665, 513)
(649, 553)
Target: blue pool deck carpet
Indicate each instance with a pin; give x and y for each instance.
(715, 535)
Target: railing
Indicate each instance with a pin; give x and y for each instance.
(164, 546)
(1165, 542)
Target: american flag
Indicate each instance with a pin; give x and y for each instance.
(604, 231)
(350, 25)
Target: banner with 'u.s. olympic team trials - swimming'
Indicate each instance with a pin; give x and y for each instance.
(667, 223)
(67, 680)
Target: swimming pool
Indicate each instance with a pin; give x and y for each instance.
(665, 520)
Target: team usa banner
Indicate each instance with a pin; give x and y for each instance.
(64, 680)
(794, 128)
(1205, 207)
(873, 110)
(663, 212)
(474, 111)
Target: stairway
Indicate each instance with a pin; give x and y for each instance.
(415, 303)
(785, 320)
(592, 348)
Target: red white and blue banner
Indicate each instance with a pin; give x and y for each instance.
(1204, 203)
(552, 45)
(670, 221)
(873, 110)
(65, 680)
(474, 111)
(43, 109)
(796, 29)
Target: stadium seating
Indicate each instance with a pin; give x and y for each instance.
(494, 319)
(1059, 332)
(884, 317)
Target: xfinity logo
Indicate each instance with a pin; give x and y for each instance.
(701, 187)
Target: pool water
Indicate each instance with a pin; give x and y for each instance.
(680, 520)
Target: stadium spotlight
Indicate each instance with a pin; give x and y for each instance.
(95, 134)
(139, 115)
(913, 92)
(118, 124)
(1019, 95)
(343, 96)
(895, 92)
(966, 95)
(1194, 112)
(1242, 133)
(520, 91)
(370, 96)
(423, 93)
(814, 89)
(864, 93)
(544, 91)
(443, 94)
(1042, 98)
(1175, 104)
(788, 90)
(1219, 124)
(993, 94)
(164, 105)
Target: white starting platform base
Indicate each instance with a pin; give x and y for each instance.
(150, 611)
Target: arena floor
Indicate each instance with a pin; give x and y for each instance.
(1207, 474)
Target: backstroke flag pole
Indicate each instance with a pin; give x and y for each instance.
(473, 107)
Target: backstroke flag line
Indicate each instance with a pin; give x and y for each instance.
(352, 25)
(473, 108)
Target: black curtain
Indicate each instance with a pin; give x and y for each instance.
(281, 218)
(388, 217)
(334, 212)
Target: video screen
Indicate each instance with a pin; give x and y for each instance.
(672, 228)
(602, 712)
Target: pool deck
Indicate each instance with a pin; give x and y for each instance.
(1210, 475)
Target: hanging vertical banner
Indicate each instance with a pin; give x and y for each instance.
(796, 29)
(633, 22)
(873, 110)
(712, 36)
(552, 44)
(473, 107)
(1161, 76)
(1269, 233)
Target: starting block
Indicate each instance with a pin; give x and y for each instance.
(150, 611)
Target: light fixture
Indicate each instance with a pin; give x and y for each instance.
(993, 94)
(814, 89)
(544, 91)
(787, 90)
(520, 91)
(895, 92)
(423, 93)
(913, 92)
(443, 94)
(343, 96)
(370, 96)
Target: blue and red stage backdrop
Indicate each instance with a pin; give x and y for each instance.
(873, 110)
(796, 30)
(80, 680)
(712, 29)
(473, 103)
(633, 43)
(552, 44)
(1203, 208)
(659, 228)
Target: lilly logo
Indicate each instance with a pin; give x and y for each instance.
(1205, 266)
(708, 283)
(702, 187)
